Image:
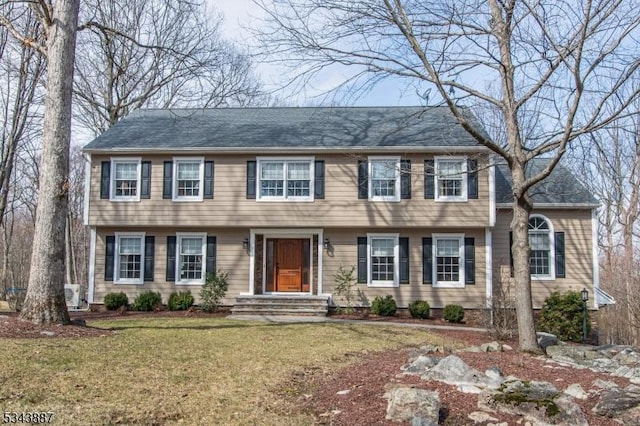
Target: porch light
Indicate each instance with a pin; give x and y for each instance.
(326, 243)
(245, 244)
(584, 294)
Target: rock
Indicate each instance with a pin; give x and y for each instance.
(494, 373)
(546, 339)
(48, 333)
(419, 365)
(537, 402)
(454, 371)
(604, 384)
(79, 322)
(507, 348)
(343, 392)
(485, 347)
(418, 406)
(618, 402)
(576, 391)
(481, 417)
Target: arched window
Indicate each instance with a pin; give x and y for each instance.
(540, 243)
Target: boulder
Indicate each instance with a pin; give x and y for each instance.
(616, 402)
(546, 339)
(419, 365)
(538, 402)
(454, 371)
(418, 406)
(576, 391)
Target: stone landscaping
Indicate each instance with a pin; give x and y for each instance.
(537, 402)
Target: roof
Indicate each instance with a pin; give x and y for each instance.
(560, 188)
(257, 129)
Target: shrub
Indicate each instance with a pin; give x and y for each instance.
(213, 290)
(113, 301)
(419, 309)
(147, 301)
(345, 281)
(453, 313)
(561, 315)
(180, 301)
(384, 307)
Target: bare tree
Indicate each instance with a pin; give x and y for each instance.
(45, 300)
(21, 71)
(154, 53)
(548, 67)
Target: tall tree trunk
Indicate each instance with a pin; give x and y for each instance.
(45, 301)
(521, 274)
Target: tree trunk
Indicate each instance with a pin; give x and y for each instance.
(45, 300)
(527, 337)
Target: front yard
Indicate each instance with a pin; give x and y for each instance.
(183, 370)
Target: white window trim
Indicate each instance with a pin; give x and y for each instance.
(179, 237)
(396, 262)
(112, 179)
(552, 251)
(285, 160)
(116, 266)
(441, 198)
(370, 160)
(434, 256)
(174, 183)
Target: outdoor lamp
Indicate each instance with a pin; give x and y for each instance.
(245, 244)
(326, 243)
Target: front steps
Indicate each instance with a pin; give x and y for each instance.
(274, 305)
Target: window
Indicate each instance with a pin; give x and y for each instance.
(289, 179)
(540, 264)
(451, 182)
(384, 178)
(188, 181)
(125, 184)
(383, 260)
(448, 253)
(129, 258)
(191, 251)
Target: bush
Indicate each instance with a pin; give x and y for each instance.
(384, 307)
(147, 301)
(113, 301)
(180, 301)
(419, 309)
(453, 313)
(345, 280)
(561, 315)
(213, 290)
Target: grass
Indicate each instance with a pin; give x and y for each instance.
(181, 371)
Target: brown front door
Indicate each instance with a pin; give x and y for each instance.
(288, 270)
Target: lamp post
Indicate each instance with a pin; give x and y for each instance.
(585, 296)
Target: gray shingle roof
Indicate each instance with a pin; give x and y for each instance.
(294, 128)
(561, 187)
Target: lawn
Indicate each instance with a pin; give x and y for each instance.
(182, 370)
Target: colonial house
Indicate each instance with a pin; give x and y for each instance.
(282, 198)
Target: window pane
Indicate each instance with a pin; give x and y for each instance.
(298, 183)
(450, 169)
(130, 255)
(191, 258)
(448, 260)
(189, 171)
(382, 259)
(539, 262)
(382, 246)
(298, 171)
(272, 171)
(383, 178)
(130, 245)
(126, 179)
(539, 241)
(450, 178)
(191, 246)
(127, 171)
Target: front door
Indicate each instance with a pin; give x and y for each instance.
(289, 263)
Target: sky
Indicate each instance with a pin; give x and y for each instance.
(243, 13)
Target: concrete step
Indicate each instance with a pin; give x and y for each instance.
(276, 312)
(281, 305)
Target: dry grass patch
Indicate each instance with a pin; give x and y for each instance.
(189, 371)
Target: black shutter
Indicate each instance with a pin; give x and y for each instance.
(427, 260)
(405, 179)
(363, 179)
(211, 255)
(145, 181)
(469, 261)
(472, 179)
(318, 184)
(511, 252)
(149, 253)
(208, 179)
(429, 179)
(404, 260)
(109, 257)
(362, 259)
(560, 258)
(105, 180)
(167, 181)
(171, 258)
(251, 179)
